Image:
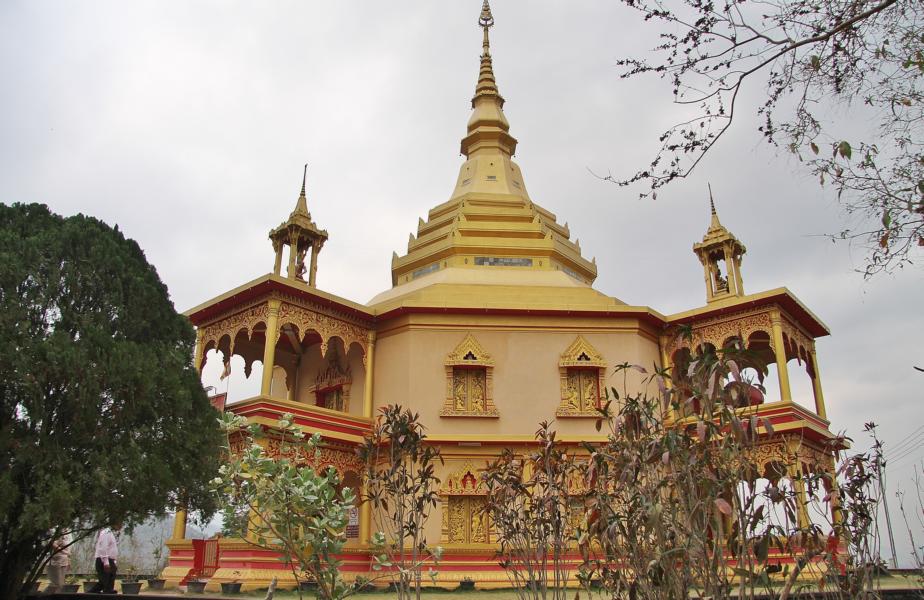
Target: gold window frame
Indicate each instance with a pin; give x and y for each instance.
(581, 354)
(469, 354)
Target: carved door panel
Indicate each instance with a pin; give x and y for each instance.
(468, 389)
(468, 523)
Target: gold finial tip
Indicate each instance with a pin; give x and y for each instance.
(304, 177)
(711, 201)
(486, 19)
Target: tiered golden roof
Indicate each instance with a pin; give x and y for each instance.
(490, 223)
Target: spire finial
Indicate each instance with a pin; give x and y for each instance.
(487, 102)
(714, 223)
(486, 20)
(301, 205)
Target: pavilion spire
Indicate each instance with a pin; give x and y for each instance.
(301, 205)
(714, 224)
(302, 236)
(720, 253)
(488, 127)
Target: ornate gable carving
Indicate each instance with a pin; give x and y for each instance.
(465, 480)
(581, 354)
(469, 352)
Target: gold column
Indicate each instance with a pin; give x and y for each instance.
(365, 509)
(180, 518)
(816, 386)
(277, 267)
(794, 472)
(293, 255)
(666, 364)
(738, 278)
(269, 348)
(802, 515)
(707, 276)
(837, 517)
(370, 365)
(780, 352)
(313, 271)
(179, 524)
(365, 523)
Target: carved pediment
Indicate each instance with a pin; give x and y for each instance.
(581, 354)
(469, 352)
(465, 480)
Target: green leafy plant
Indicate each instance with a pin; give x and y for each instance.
(675, 501)
(531, 508)
(291, 508)
(402, 488)
(102, 416)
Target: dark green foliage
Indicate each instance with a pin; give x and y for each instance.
(103, 416)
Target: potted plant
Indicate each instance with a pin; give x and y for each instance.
(156, 583)
(467, 583)
(196, 586)
(159, 552)
(89, 584)
(131, 585)
(307, 585)
(70, 585)
(233, 586)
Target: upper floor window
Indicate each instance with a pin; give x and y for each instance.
(581, 371)
(469, 381)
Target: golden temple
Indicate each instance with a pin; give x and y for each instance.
(492, 324)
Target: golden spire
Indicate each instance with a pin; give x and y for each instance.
(715, 223)
(301, 205)
(488, 127)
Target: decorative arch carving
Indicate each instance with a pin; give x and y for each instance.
(581, 371)
(465, 480)
(469, 352)
(326, 326)
(469, 381)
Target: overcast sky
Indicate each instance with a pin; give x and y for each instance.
(187, 124)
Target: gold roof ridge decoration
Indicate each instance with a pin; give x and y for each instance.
(489, 220)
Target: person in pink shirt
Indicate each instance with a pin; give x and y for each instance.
(59, 562)
(107, 554)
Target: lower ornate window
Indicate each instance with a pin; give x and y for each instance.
(467, 521)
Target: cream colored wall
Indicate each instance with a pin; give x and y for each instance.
(409, 370)
(526, 379)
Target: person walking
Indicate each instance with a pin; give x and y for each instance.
(59, 562)
(107, 553)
